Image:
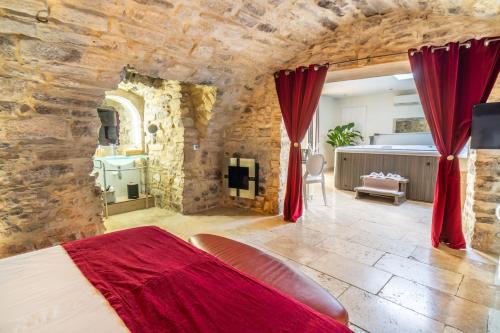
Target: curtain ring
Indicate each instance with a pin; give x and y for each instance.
(450, 157)
(295, 144)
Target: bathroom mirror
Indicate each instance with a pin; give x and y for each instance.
(109, 131)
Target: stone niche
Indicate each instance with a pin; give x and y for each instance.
(181, 112)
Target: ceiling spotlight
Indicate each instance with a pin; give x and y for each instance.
(405, 76)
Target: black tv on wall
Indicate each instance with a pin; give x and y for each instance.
(485, 126)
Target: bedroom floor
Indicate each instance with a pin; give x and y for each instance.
(376, 258)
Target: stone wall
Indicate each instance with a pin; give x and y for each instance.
(58, 57)
(256, 133)
(202, 167)
(480, 225)
(47, 139)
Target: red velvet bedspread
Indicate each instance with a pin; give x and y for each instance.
(156, 282)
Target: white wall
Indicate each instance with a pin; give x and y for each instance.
(379, 116)
(329, 116)
(380, 112)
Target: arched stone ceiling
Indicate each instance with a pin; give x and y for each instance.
(228, 43)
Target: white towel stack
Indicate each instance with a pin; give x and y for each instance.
(389, 175)
(377, 175)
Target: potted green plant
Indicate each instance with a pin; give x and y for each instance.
(343, 135)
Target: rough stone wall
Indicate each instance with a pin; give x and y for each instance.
(178, 178)
(54, 71)
(256, 133)
(480, 225)
(47, 139)
(166, 155)
(202, 167)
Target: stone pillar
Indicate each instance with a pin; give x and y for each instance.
(481, 227)
(181, 178)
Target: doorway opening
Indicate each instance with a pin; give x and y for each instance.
(149, 127)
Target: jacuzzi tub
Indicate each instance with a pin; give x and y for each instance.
(418, 163)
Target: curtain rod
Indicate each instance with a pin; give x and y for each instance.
(366, 58)
(466, 44)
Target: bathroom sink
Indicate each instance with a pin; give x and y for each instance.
(118, 160)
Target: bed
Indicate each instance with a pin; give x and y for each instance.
(142, 280)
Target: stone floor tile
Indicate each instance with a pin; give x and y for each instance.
(362, 276)
(438, 258)
(375, 314)
(356, 329)
(413, 270)
(477, 291)
(349, 249)
(377, 242)
(451, 310)
(333, 285)
(292, 249)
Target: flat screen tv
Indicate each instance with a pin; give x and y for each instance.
(485, 126)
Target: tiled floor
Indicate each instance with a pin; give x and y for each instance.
(375, 257)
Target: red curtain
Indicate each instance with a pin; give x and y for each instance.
(450, 81)
(298, 94)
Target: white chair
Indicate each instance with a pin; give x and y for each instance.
(314, 174)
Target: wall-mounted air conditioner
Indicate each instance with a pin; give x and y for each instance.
(412, 99)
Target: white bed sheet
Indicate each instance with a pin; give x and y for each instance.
(44, 291)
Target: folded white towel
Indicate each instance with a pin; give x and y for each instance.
(377, 174)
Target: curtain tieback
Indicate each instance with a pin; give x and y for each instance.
(295, 144)
(450, 157)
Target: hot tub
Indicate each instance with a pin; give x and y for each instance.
(418, 163)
